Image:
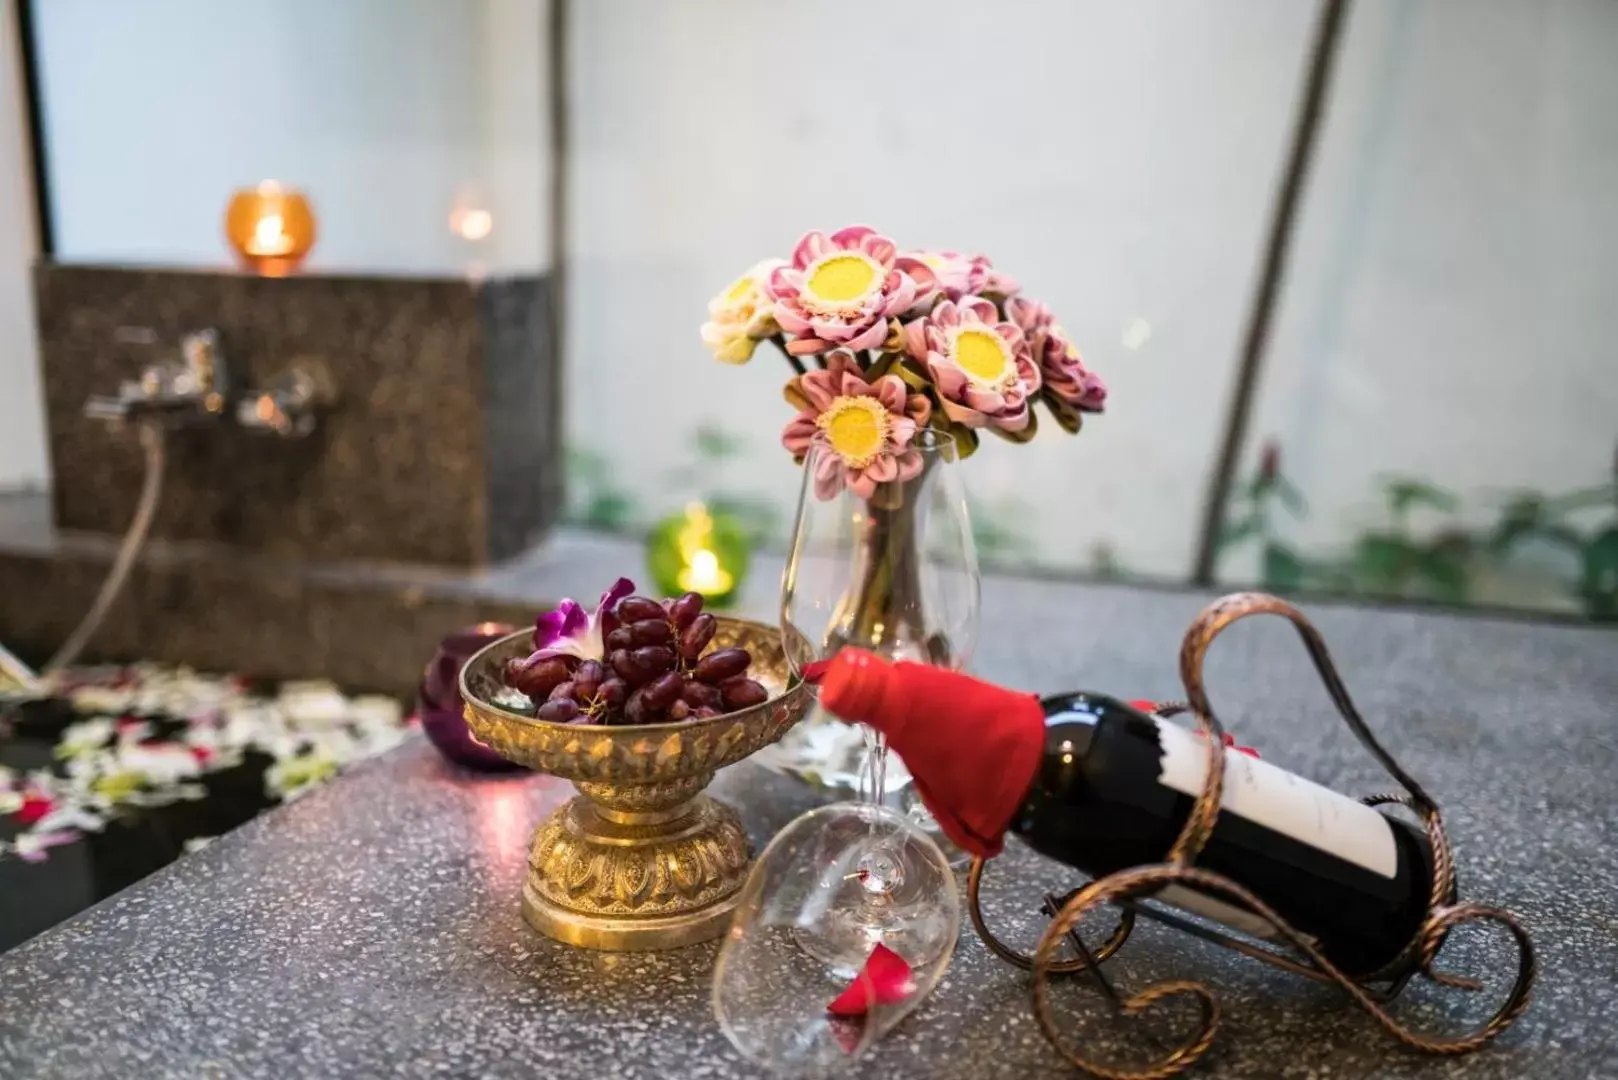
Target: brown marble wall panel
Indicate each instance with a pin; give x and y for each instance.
(444, 446)
(250, 615)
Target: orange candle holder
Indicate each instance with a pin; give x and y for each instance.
(271, 228)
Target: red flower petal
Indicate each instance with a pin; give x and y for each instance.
(33, 808)
(846, 1032)
(884, 981)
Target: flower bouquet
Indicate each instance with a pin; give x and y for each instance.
(900, 342)
(901, 361)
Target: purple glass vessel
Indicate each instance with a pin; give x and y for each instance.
(438, 700)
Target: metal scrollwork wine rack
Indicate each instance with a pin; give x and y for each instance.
(1126, 888)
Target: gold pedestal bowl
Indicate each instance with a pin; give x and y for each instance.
(640, 858)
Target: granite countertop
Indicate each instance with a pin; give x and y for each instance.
(373, 928)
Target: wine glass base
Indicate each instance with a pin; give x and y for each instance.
(910, 921)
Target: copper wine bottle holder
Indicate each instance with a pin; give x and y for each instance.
(1126, 888)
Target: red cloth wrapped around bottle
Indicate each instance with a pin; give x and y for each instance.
(973, 748)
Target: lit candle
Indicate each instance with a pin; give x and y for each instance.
(271, 227)
(703, 574)
(698, 551)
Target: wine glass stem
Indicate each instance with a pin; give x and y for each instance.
(876, 749)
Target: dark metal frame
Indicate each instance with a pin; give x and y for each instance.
(1306, 126)
(1127, 889)
(28, 54)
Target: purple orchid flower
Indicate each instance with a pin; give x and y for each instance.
(568, 631)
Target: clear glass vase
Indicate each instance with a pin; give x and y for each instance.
(888, 565)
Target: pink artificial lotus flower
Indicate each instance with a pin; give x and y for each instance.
(867, 426)
(839, 291)
(1060, 365)
(954, 276)
(979, 362)
(569, 631)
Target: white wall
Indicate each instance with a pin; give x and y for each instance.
(1114, 157)
(1451, 311)
(23, 459)
(387, 112)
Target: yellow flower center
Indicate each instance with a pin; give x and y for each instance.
(856, 428)
(743, 286)
(1071, 352)
(117, 786)
(983, 355)
(842, 278)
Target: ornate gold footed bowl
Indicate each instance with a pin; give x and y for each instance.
(640, 858)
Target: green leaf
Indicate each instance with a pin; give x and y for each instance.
(1025, 434)
(607, 510)
(1382, 559)
(1521, 517)
(1258, 487)
(1291, 497)
(881, 365)
(1583, 499)
(1066, 416)
(1444, 569)
(793, 392)
(1283, 570)
(1599, 583)
(1237, 532)
(913, 374)
(966, 441)
(1405, 492)
(587, 466)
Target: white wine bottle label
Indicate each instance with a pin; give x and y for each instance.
(1282, 802)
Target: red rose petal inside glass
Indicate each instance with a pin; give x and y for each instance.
(885, 980)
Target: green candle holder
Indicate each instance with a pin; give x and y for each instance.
(699, 550)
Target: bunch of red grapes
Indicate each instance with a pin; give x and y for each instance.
(655, 670)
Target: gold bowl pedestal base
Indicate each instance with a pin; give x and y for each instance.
(623, 880)
(641, 858)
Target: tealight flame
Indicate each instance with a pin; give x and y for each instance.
(705, 575)
(700, 571)
(269, 236)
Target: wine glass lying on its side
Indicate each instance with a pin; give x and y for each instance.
(795, 1010)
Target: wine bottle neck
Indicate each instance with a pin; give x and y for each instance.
(973, 747)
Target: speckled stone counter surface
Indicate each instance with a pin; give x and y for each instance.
(373, 929)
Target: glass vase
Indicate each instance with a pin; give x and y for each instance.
(887, 565)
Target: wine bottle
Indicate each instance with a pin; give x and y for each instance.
(1099, 785)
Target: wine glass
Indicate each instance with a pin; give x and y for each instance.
(886, 565)
(854, 900)
(771, 996)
